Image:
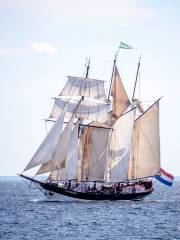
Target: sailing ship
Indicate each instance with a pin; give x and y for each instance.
(99, 147)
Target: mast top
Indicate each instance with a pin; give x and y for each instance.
(137, 74)
(112, 74)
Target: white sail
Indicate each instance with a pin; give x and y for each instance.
(94, 146)
(118, 153)
(48, 146)
(59, 156)
(71, 164)
(145, 156)
(88, 109)
(120, 100)
(76, 86)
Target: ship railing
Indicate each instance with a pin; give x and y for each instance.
(101, 186)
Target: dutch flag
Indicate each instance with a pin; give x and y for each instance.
(165, 177)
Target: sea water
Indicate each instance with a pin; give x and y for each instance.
(25, 214)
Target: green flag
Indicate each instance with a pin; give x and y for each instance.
(125, 46)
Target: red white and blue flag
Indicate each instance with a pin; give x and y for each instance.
(165, 177)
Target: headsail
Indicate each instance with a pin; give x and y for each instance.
(145, 155)
(46, 150)
(59, 156)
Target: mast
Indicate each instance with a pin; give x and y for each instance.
(114, 64)
(88, 66)
(137, 73)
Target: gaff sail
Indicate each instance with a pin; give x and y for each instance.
(92, 153)
(118, 153)
(145, 155)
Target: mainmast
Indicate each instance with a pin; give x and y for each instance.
(121, 45)
(114, 64)
(137, 74)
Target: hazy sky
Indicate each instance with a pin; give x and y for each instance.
(43, 41)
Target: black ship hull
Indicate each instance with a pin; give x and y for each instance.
(52, 188)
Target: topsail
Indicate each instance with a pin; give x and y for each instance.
(120, 99)
(89, 109)
(76, 86)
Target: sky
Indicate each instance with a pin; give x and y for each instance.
(41, 42)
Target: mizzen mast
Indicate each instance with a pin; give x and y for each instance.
(137, 74)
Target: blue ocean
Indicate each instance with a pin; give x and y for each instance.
(25, 214)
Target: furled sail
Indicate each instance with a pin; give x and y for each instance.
(145, 155)
(120, 100)
(77, 86)
(59, 156)
(94, 146)
(118, 154)
(88, 109)
(46, 150)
